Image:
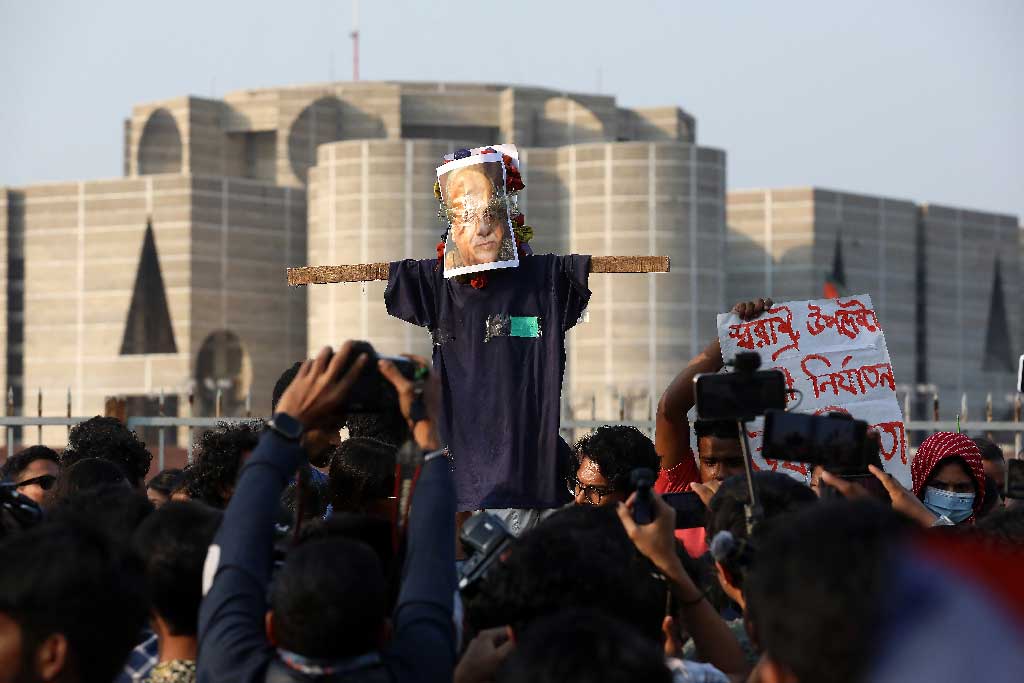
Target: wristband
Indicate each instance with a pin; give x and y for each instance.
(286, 426)
(418, 409)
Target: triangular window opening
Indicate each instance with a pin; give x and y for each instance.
(998, 354)
(149, 328)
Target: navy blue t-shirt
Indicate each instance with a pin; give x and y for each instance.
(501, 354)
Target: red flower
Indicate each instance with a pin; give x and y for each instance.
(440, 250)
(518, 220)
(514, 184)
(478, 281)
(489, 150)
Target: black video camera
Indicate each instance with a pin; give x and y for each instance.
(18, 512)
(372, 392)
(485, 540)
(740, 395)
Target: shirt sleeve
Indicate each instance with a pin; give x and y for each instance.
(423, 647)
(232, 642)
(572, 290)
(676, 479)
(411, 294)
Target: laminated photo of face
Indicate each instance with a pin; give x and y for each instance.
(478, 227)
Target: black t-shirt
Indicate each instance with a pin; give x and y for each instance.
(501, 354)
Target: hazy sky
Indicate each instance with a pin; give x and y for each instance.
(916, 100)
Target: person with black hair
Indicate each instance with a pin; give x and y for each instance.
(375, 532)
(600, 464)
(721, 455)
(1006, 525)
(326, 615)
(71, 605)
(541, 574)
(816, 594)
(993, 461)
(107, 438)
(711, 635)
(315, 500)
(584, 646)
(388, 427)
(720, 447)
(161, 486)
(580, 556)
(172, 544)
(219, 456)
(320, 442)
(362, 476)
(734, 551)
(34, 470)
(84, 475)
(115, 509)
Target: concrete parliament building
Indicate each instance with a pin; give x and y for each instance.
(172, 278)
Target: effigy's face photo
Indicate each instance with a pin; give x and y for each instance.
(477, 227)
(479, 230)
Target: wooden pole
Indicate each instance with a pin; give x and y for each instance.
(369, 272)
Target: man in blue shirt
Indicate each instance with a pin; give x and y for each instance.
(325, 616)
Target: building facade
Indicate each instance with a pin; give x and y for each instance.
(941, 280)
(164, 283)
(172, 279)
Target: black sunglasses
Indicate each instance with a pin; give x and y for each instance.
(45, 482)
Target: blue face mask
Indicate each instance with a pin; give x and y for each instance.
(956, 506)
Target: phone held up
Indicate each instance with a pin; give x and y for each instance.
(689, 509)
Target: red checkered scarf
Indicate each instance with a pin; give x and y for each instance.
(941, 446)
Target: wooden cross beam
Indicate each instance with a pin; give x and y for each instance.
(368, 272)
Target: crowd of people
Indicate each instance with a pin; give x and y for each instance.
(283, 552)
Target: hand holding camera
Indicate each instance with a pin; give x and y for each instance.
(322, 386)
(419, 397)
(656, 539)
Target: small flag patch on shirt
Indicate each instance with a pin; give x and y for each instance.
(525, 326)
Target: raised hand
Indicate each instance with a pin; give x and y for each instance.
(321, 387)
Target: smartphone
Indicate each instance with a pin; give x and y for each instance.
(836, 442)
(690, 510)
(641, 480)
(739, 395)
(1014, 479)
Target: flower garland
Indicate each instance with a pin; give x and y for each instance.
(522, 233)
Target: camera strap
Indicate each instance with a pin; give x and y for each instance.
(408, 465)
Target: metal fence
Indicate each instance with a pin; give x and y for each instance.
(916, 399)
(568, 427)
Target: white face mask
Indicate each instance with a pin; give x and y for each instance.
(956, 506)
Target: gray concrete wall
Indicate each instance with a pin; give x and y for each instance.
(961, 250)
(782, 242)
(223, 246)
(82, 246)
(370, 201)
(245, 236)
(634, 198)
(6, 280)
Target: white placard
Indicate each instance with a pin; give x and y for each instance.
(832, 351)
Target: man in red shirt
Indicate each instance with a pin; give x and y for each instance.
(718, 443)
